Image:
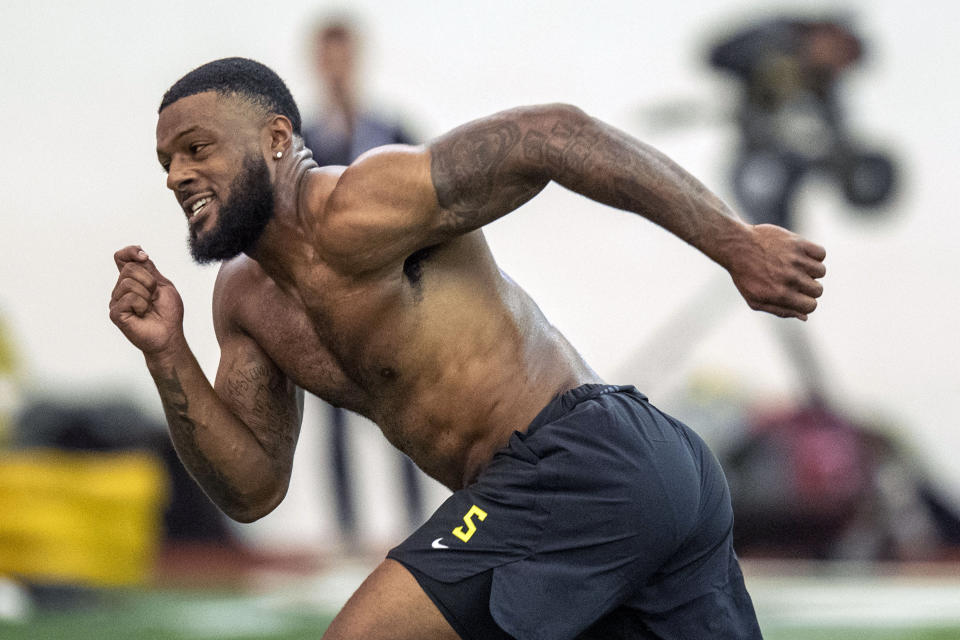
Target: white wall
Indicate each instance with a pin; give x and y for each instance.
(81, 82)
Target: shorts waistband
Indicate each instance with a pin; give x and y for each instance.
(566, 401)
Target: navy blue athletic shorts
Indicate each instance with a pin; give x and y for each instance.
(605, 519)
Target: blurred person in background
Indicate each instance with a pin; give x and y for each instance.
(341, 130)
(578, 508)
(344, 127)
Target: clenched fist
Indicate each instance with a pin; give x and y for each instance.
(776, 271)
(145, 305)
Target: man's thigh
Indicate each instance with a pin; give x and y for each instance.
(390, 605)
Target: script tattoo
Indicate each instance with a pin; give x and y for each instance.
(264, 400)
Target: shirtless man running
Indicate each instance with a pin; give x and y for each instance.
(579, 509)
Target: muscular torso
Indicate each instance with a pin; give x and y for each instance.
(372, 286)
(444, 353)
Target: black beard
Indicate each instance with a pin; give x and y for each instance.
(243, 216)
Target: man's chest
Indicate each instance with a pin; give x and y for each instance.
(333, 340)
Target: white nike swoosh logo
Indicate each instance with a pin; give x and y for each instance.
(439, 545)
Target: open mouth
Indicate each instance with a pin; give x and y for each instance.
(197, 210)
(198, 205)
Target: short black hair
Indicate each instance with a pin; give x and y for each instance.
(247, 78)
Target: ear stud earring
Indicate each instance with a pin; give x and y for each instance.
(279, 154)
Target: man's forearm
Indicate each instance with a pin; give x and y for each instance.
(485, 169)
(610, 166)
(218, 450)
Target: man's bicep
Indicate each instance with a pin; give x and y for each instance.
(487, 168)
(260, 395)
(397, 199)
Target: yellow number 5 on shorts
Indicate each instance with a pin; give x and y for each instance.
(466, 534)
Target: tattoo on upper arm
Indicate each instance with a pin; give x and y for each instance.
(267, 405)
(487, 169)
(464, 167)
(468, 166)
(533, 145)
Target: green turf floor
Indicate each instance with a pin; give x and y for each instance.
(206, 615)
(852, 633)
(166, 615)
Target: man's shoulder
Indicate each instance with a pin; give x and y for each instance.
(381, 179)
(386, 169)
(378, 206)
(240, 279)
(239, 272)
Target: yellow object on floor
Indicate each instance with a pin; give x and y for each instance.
(80, 517)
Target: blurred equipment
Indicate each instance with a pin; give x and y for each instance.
(111, 427)
(808, 482)
(791, 120)
(10, 382)
(80, 517)
(798, 481)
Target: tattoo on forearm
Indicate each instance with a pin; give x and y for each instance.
(611, 167)
(568, 149)
(172, 393)
(487, 169)
(183, 430)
